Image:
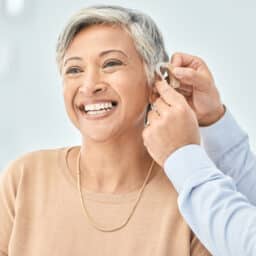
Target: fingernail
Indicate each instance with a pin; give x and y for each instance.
(178, 72)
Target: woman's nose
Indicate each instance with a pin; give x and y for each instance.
(92, 89)
(92, 84)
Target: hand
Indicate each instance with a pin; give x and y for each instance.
(172, 124)
(198, 87)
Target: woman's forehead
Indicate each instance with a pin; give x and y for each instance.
(102, 38)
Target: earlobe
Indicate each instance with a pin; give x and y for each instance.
(153, 94)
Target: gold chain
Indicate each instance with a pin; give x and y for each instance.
(93, 222)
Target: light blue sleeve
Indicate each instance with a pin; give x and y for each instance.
(228, 146)
(220, 216)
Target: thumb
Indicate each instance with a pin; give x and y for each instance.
(168, 94)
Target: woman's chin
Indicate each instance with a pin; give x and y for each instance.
(99, 135)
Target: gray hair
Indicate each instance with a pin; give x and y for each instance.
(147, 38)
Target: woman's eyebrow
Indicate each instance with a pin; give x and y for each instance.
(112, 50)
(101, 54)
(71, 58)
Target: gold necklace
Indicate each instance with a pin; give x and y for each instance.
(87, 214)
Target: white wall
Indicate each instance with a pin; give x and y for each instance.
(32, 114)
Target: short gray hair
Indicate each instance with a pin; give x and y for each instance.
(147, 38)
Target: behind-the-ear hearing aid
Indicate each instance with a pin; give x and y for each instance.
(164, 70)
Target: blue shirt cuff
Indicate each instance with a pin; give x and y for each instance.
(187, 163)
(222, 135)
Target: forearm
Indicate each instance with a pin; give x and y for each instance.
(221, 217)
(228, 146)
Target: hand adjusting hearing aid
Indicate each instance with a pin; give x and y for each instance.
(164, 70)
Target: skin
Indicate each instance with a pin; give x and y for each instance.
(110, 141)
(113, 156)
(198, 87)
(179, 113)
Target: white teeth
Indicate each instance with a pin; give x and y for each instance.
(98, 106)
(97, 112)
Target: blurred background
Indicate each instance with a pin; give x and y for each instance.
(32, 113)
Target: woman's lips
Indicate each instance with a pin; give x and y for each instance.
(98, 116)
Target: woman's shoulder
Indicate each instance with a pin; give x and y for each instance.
(35, 157)
(32, 161)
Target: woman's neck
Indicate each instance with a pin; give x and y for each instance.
(118, 167)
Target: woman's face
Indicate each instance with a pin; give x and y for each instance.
(104, 83)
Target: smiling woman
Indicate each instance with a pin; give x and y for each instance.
(107, 196)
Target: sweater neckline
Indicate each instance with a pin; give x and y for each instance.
(97, 196)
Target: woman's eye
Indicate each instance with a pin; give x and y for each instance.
(112, 63)
(73, 70)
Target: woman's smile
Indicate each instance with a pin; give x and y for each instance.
(96, 111)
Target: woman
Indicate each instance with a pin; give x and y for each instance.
(107, 196)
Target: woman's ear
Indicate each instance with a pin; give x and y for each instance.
(153, 95)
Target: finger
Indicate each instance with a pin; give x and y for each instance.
(191, 77)
(185, 87)
(161, 106)
(152, 117)
(180, 59)
(154, 108)
(184, 93)
(168, 94)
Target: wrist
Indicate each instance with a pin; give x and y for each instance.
(212, 117)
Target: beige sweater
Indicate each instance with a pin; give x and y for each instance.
(41, 214)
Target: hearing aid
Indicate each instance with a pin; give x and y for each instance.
(164, 70)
